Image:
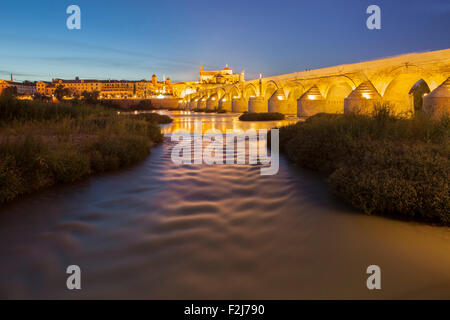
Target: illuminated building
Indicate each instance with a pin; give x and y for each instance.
(110, 89)
(23, 88)
(224, 76)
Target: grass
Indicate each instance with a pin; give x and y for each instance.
(263, 116)
(45, 144)
(380, 164)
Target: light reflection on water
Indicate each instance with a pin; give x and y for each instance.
(221, 122)
(161, 230)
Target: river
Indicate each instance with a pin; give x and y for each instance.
(160, 230)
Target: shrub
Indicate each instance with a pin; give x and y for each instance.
(68, 166)
(11, 183)
(265, 116)
(144, 105)
(21, 110)
(111, 153)
(45, 144)
(381, 164)
(155, 117)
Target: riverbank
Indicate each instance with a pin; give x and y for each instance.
(45, 144)
(380, 164)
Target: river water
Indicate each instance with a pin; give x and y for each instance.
(160, 230)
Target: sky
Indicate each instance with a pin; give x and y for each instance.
(133, 39)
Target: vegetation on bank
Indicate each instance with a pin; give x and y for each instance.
(263, 116)
(380, 164)
(144, 105)
(153, 117)
(44, 144)
(210, 110)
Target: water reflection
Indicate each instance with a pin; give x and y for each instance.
(163, 230)
(221, 122)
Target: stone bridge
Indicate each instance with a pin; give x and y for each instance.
(346, 88)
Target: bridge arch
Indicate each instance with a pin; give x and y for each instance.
(335, 96)
(250, 91)
(269, 88)
(221, 92)
(235, 92)
(398, 93)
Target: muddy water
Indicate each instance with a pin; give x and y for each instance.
(161, 230)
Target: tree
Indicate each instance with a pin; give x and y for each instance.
(9, 92)
(91, 97)
(41, 97)
(61, 92)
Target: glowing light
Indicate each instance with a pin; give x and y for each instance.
(160, 96)
(280, 98)
(366, 95)
(312, 97)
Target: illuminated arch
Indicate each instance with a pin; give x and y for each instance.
(397, 93)
(269, 88)
(336, 94)
(250, 91)
(220, 92)
(295, 91)
(235, 92)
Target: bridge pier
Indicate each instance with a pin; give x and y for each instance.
(239, 105)
(278, 102)
(257, 104)
(310, 103)
(213, 102)
(182, 104)
(437, 102)
(192, 104)
(201, 103)
(225, 103)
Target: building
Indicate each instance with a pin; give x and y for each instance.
(3, 85)
(224, 76)
(23, 88)
(109, 89)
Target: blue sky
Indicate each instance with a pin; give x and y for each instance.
(134, 39)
